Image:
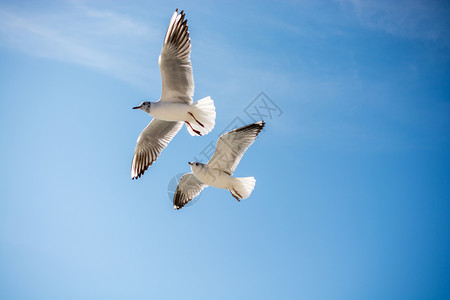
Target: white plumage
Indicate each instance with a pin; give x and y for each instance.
(218, 172)
(175, 105)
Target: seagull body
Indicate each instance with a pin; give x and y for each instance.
(175, 107)
(218, 172)
(170, 111)
(212, 177)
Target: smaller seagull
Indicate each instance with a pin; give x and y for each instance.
(218, 172)
(175, 106)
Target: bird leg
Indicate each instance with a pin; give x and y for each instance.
(237, 198)
(196, 119)
(196, 131)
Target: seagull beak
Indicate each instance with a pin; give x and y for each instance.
(137, 107)
(190, 163)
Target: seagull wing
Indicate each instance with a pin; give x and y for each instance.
(188, 188)
(232, 145)
(174, 62)
(152, 140)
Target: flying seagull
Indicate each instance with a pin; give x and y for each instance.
(218, 172)
(175, 106)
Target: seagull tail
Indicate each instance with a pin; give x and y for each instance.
(242, 187)
(203, 117)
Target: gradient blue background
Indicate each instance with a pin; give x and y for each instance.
(352, 192)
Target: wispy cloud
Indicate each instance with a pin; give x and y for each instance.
(104, 40)
(411, 19)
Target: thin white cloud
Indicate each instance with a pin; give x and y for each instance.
(103, 40)
(112, 22)
(423, 19)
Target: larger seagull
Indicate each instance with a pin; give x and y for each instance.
(175, 106)
(218, 172)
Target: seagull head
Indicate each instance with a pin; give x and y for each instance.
(196, 165)
(145, 106)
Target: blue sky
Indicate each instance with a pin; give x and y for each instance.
(352, 190)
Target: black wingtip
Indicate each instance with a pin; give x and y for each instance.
(261, 125)
(140, 173)
(258, 126)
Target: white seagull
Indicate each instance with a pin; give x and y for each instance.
(175, 106)
(218, 172)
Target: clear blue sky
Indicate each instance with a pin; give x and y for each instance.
(352, 190)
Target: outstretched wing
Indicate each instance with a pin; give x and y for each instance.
(188, 188)
(152, 140)
(232, 145)
(174, 62)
